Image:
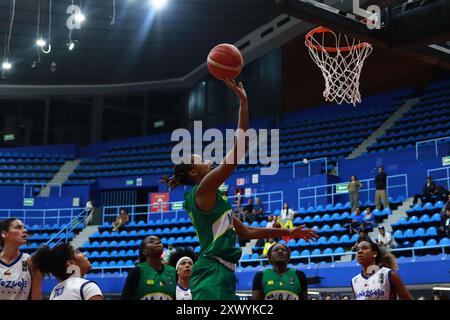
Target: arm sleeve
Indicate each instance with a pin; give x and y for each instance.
(257, 281)
(90, 289)
(302, 278)
(131, 284)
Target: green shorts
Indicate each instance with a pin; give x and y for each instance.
(210, 280)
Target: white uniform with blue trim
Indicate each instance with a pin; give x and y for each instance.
(183, 294)
(376, 287)
(75, 288)
(15, 279)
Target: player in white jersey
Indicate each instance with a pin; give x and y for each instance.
(68, 266)
(17, 281)
(183, 261)
(378, 279)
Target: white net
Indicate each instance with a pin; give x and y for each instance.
(341, 60)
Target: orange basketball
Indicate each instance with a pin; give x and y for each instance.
(225, 61)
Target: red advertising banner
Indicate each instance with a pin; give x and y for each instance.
(159, 202)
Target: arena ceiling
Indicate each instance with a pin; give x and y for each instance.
(142, 45)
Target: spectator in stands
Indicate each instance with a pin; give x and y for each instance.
(68, 266)
(270, 222)
(385, 240)
(380, 186)
(369, 220)
(168, 253)
(276, 222)
(287, 217)
(249, 211)
(151, 279)
(444, 229)
(16, 266)
(183, 260)
(280, 282)
(122, 219)
(357, 221)
(353, 188)
(267, 245)
(363, 236)
(258, 209)
(90, 212)
(429, 191)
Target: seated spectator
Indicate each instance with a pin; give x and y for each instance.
(357, 219)
(249, 211)
(442, 194)
(385, 240)
(270, 222)
(168, 253)
(286, 217)
(258, 209)
(444, 229)
(369, 220)
(122, 219)
(267, 245)
(363, 236)
(429, 191)
(276, 223)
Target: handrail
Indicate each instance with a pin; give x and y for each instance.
(13, 213)
(447, 169)
(333, 255)
(309, 165)
(69, 227)
(42, 185)
(431, 140)
(147, 207)
(366, 188)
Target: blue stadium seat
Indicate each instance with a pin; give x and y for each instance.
(436, 217)
(408, 233)
(344, 239)
(385, 212)
(339, 250)
(424, 219)
(336, 227)
(444, 242)
(120, 263)
(104, 244)
(322, 240)
(104, 254)
(112, 264)
(305, 253)
(254, 256)
(295, 253)
(197, 249)
(245, 257)
(301, 242)
(345, 216)
(419, 232)
(327, 251)
(431, 231)
(94, 254)
(307, 219)
(130, 253)
(431, 243)
(129, 263)
(439, 205)
(335, 217)
(122, 243)
(333, 240)
(316, 218)
(316, 252)
(292, 243)
(95, 264)
(325, 228)
(297, 221)
(418, 243)
(141, 223)
(413, 220)
(104, 264)
(326, 217)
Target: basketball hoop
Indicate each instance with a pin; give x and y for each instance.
(340, 59)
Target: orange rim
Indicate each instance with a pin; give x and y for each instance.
(317, 30)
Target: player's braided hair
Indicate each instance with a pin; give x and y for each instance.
(180, 175)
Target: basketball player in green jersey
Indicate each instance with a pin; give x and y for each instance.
(280, 282)
(211, 214)
(150, 279)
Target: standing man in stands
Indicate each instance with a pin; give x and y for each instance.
(380, 186)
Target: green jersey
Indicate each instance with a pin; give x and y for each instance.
(214, 230)
(281, 287)
(156, 286)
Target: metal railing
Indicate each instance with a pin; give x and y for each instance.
(309, 165)
(446, 170)
(428, 141)
(331, 190)
(270, 201)
(41, 186)
(309, 258)
(352, 253)
(55, 215)
(68, 228)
